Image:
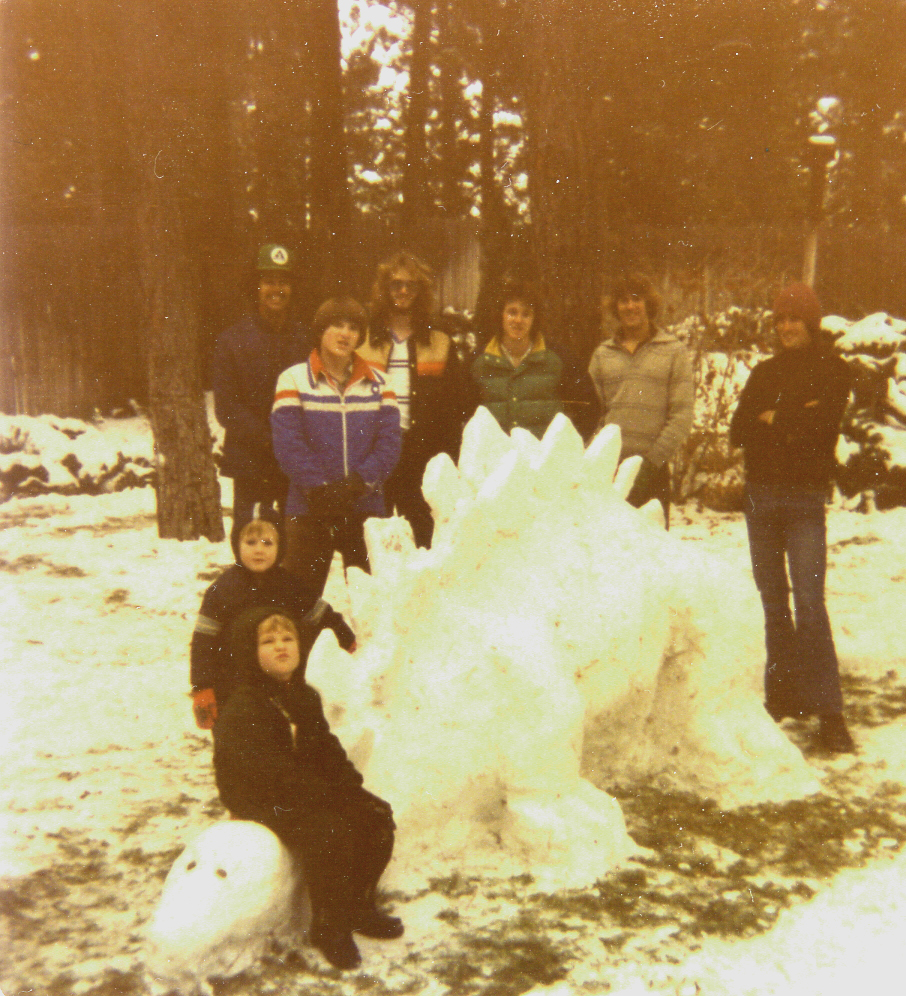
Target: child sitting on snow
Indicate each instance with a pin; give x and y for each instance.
(254, 580)
(277, 763)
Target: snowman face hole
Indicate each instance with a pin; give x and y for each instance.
(191, 865)
(221, 873)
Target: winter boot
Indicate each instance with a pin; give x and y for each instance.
(373, 923)
(337, 946)
(833, 736)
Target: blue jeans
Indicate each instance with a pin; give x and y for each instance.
(787, 532)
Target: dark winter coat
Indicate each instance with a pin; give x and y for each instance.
(237, 590)
(530, 395)
(277, 763)
(437, 393)
(808, 389)
(246, 363)
(264, 772)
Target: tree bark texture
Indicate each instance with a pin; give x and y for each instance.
(415, 177)
(188, 492)
(171, 150)
(568, 209)
(330, 200)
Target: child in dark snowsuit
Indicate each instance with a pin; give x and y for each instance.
(277, 763)
(255, 580)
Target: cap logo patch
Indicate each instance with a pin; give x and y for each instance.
(279, 256)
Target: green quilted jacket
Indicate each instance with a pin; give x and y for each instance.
(527, 396)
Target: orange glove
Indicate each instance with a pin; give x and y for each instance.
(204, 705)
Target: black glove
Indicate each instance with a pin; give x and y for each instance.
(351, 488)
(644, 481)
(332, 619)
(335, 500)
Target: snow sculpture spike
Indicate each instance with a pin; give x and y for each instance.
(551, 643)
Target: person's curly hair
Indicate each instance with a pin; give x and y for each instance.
(634, 283)
(422, 307)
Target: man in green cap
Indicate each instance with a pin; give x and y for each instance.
(245, 365)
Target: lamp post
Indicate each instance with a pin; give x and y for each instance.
(819, 154)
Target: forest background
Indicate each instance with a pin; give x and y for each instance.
(149, 147)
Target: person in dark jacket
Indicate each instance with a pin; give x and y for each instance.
(426, 375)
(336, 431)
(277, 763)
(245, 365)
(787, 421)
(253, 581)
(520, 379)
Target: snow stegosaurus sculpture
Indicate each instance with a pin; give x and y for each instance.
(553, 641)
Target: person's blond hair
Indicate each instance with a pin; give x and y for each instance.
(257, 528)
(278, 622)
(422, 307)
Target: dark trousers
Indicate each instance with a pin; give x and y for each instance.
(787, 533)
(254, 498)
(658, 486)
(311, 543)
(344, 845)
(403, 494)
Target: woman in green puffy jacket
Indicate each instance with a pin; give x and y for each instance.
(519, 379)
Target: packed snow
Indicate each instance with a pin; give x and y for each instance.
(107, 779)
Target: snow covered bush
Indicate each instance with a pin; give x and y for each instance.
(872, 451)
(724, 349)
(45, 453)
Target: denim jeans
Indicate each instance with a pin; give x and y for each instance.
(787, 533)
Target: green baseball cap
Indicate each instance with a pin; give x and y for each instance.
(274, 257)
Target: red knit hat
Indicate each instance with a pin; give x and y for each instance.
(799, 301)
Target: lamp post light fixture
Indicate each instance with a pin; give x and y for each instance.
(820, 152)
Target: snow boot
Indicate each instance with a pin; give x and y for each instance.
(381, 926)
(337, 946)
(833, 736)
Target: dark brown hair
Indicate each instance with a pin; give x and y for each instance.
(634, 283)
(340, 309)
(527, 293)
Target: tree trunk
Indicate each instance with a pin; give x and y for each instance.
(565, 178)
(188, 492)
(330, 198)
(169, 86)
(494, 234)
(415, 177)
(449, 159)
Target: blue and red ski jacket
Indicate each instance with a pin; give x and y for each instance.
(321, 433)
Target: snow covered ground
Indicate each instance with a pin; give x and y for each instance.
(106, 778)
